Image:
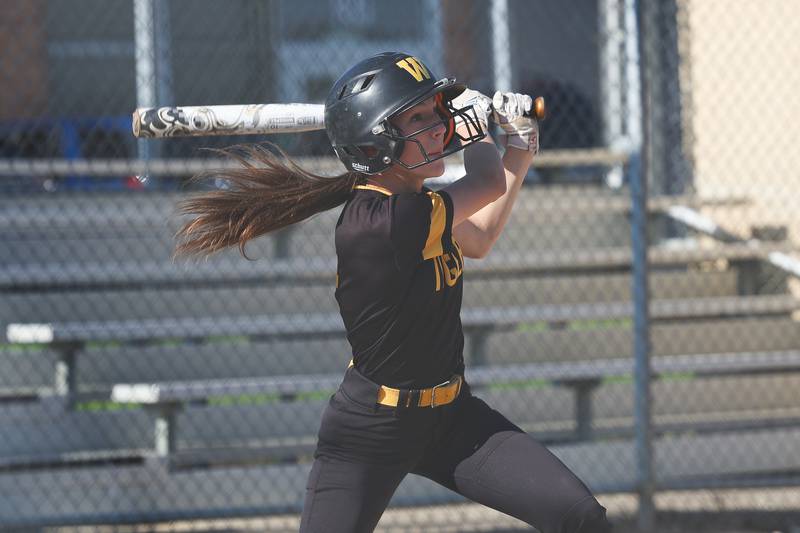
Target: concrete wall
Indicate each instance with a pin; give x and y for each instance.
(742, 65)
(23, 59)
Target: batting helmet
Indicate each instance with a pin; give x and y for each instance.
(364, 99)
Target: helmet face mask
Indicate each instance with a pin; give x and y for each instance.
(453, 140)
(362, 103)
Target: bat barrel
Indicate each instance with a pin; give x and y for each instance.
(251, 119)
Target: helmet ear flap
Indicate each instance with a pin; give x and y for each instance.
(396, 144)
(369, 158)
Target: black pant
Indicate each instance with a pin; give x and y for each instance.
(366, 449)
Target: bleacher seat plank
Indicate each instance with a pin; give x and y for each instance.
(44, 429)
(321, 324)
(685, 404)
(30, 368)
(728, 363)
(666, 309)
(593, 288)
(152, 209)
(49, 273)
(95, 210)
(81, 458)
(273, 428)
(167, 303)
(595, 258)
(708, 364)
(615, 340)
(102, 366)
(86, 435)
(153, 393)
(72, 249)
(119, 273)
(170, 302)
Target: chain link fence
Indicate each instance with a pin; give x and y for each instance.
(187, 394)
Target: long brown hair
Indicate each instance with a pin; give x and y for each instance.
(268, 192)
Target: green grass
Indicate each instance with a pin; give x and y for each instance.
(170, 343)
(677, 376)
(100, 345)
(670, 376)
(219, 401)
(95, 345)
(316, 395)
(21, 348)
(265, 399)
(522, 384)
(101, 405)
(595, 324)
(533, 327)
(244, 399)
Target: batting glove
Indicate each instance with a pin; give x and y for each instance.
(510, 112)
(481, 104)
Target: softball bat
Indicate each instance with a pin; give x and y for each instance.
(249, 119)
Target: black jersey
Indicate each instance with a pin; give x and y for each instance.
(399, 286)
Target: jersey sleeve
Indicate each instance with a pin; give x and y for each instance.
(421, 226)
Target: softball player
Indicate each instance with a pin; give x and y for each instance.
(403, 405)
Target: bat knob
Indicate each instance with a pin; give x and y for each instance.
(539, 109)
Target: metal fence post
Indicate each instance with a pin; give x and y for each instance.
(144, 51)
(501, 53)
(641, 318)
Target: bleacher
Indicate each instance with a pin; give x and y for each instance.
(159, 390)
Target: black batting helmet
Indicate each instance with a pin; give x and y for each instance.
(363, 99)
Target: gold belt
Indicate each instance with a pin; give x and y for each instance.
(440, 394)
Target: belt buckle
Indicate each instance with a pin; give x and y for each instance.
(440, 385)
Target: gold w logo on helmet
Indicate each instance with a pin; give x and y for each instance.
(414, 66)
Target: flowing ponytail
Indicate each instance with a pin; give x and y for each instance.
(268, 192)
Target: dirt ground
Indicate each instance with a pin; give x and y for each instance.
(774, 510)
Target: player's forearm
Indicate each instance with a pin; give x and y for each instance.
(482, 162)
(493, 218)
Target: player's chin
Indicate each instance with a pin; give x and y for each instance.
(434, 168)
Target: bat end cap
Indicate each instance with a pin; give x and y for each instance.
(136, 123)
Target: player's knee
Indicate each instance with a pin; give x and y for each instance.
(586, 517)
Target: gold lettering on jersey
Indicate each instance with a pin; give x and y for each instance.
(414, 66)
(437, 274)
(433, 244)
(447, 268)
